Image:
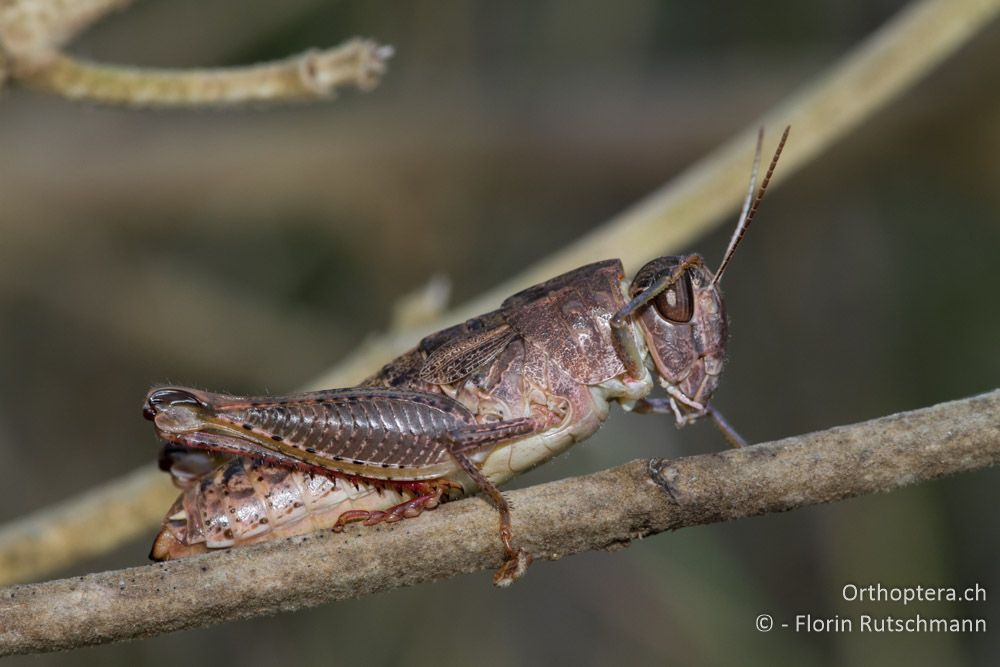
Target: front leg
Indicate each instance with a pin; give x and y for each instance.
(624, 341)
(669, 406)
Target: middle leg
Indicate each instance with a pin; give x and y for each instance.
(478, 437)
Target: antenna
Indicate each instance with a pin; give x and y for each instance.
(750, 209)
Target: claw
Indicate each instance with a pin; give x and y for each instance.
(512, 569)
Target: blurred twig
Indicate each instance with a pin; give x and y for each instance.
(313, 74)
(32, 30)
(604, 510)
(79, 527)
(881, 68)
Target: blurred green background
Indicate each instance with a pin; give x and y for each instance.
(248, 251)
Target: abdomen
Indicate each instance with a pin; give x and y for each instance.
(242, 502)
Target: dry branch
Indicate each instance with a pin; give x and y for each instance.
(311, 75)
(869, 77)
(606, 509)
(32, 29)
(78, 528)
(32, 32)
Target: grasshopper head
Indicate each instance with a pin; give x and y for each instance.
(684, 323)
(684, 326)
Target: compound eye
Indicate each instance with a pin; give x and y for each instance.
(676, 303)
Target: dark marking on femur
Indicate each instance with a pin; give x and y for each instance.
(159, 399)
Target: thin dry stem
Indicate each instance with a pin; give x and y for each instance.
(604, 510)
(88, 525)
(31, 30)
(311, 75)
(878, 70)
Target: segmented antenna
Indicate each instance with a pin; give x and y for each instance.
(750, 209)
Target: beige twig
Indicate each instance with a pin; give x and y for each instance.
(88, 525)
(311, 75)
(31, 30)
(607, 509)
(879, 69)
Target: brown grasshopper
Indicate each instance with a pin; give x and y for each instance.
(466, 410)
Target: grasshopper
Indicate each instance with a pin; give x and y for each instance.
(466, 410)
